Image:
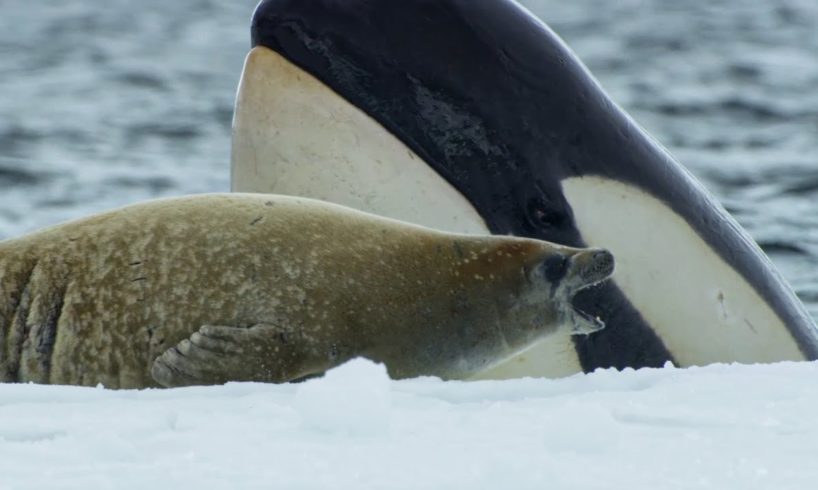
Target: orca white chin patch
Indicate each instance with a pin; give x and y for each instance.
(551, 357)
(702, 309)
(294, 135)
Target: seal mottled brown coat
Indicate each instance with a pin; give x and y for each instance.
(213, 288)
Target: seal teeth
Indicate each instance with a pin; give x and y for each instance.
(588, 286)
(590, 323)
(591, 318)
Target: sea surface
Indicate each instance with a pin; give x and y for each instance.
(108, 102)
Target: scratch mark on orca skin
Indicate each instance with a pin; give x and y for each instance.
(720, 298)
(256, 221)
(752, 327)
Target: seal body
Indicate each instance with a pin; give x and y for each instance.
(474, 116)
(214, 288)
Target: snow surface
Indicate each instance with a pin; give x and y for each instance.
(721, 427)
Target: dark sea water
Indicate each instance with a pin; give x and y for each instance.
(108, 102)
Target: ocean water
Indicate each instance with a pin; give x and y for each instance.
(108, 102)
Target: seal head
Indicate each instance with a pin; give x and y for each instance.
(568, 275)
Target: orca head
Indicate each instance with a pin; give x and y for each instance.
(473, 117)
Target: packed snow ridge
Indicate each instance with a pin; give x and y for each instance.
(720, 427)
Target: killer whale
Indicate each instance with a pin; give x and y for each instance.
(475, 116)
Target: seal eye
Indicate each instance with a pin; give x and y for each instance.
(555, 267)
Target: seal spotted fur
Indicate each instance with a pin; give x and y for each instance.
(233, 287)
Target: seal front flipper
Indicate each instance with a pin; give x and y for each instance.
(218, 354)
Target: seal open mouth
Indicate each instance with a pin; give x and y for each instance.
(588, 269)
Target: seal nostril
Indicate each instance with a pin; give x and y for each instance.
(603, 260)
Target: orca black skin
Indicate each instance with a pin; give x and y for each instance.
(497, 104)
